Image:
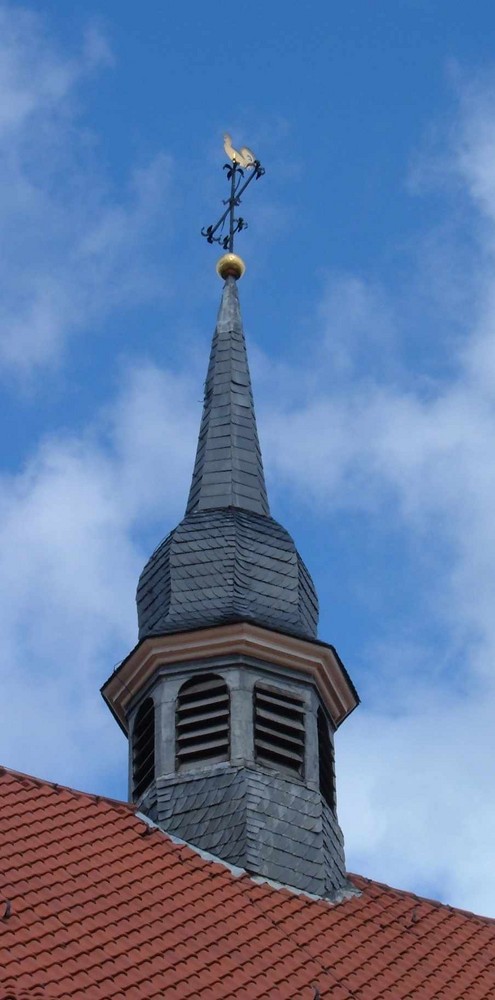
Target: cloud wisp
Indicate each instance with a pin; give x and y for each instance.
(417, 456)
(71, 556)
(78, 248)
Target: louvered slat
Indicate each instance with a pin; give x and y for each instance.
(207, 687)
(279, 733)
(213, 752)
(143, 747)
(282, 700)
(196, 720)
(217, 726)
(273, 718)
(203, 721)
(284, 739)
(326, 760)
(196, 707)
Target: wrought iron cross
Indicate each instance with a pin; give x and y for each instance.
(239, 161)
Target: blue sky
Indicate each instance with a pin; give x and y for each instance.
(369, 307)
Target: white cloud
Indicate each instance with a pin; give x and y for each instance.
(69, 529)
(417, 796)
(77, 248)
(415, 772)
(360, 330)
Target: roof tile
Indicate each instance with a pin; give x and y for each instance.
(105, 907)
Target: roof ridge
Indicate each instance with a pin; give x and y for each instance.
(56, 786)
(356, 879)
(238, 872)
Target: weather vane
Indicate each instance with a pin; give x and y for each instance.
(228, 225)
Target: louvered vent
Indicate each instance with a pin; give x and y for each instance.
(279, 729)
(326, 760)
(203, 721)
(143, 747)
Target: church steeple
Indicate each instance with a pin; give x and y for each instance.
(229, 700)
(228, 471)
(227, 560)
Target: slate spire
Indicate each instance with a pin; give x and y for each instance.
(228, 471)
(228, 560)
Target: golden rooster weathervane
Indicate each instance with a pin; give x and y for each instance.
(244, 156)
(239, 161)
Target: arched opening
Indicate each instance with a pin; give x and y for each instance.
(279, 735)
(143, 747)
(326, 760)
(202, 721)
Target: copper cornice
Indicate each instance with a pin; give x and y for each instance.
(315, 659)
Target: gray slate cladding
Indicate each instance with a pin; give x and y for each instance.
(228, 470)
(221, 566)
(228, 560)
(266, 823)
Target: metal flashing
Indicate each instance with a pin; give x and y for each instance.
(257, 820)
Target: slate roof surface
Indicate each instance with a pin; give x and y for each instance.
(227, 560)
(95, 904)
(226, 565)
(228, 470)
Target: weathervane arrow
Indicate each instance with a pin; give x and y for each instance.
(239, 161)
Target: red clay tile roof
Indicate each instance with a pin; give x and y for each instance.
(103, 907)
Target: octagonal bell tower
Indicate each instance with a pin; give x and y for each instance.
(229, 700)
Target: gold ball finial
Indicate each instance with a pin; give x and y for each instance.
(230, 265)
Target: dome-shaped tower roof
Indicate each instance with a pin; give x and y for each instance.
(228, 560)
